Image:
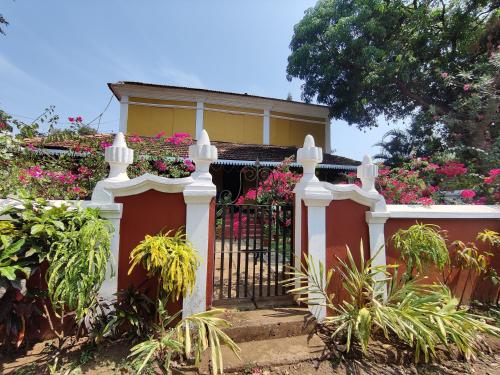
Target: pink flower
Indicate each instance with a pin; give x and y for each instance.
(444, 74)
(468, 194)
(135, 139)
(452, 169)
(79, 119)
(71, 119)
(76, 189)
(488, 180)
(160, 135)
(189, 164)
(3, 125)
(425, 201)
(251, 194)
(495, 172)
(105, 144)
(31, 147)
(466, 87)
(36, 171)
(160, 165)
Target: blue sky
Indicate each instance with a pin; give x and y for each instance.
(63, 53)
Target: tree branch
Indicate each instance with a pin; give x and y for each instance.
(420, 100)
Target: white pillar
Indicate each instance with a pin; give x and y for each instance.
(200, 107)
(123, 114)
(316, 198)
(367, 172)
(266, 127)
(198, 196)
(109, 287)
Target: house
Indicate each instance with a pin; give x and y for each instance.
(246, 128)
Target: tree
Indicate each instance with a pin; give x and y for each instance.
(366, 58)
(3, 22)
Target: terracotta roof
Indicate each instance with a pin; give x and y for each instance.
(227, 151)
(111, 87)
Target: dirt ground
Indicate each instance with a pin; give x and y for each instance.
(382, 359)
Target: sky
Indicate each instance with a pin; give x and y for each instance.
(64, 53)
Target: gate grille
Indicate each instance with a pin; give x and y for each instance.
(253, 249)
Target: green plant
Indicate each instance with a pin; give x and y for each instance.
(169, 257)
(421, 316)
(419, 245)
(195, 333)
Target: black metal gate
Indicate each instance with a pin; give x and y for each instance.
(253, 246)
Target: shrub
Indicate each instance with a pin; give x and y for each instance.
(419, 245)
(171, 258)
(420, 316)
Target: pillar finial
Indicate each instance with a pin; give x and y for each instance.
(202, 154)
(309, 156)
(367, 172)
(119, 157)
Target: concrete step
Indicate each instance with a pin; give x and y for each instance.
(267, 324)
(272, 352)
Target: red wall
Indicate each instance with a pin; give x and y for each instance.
(345, 225)
(457, 229)
(147, 213)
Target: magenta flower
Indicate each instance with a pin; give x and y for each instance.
(160, 135)
(468, 194)
(161, 166)
(444, 74)
(466, 87)
(105, 144)
(135, 139)
(71, 119)
(79, 118)
(31, 147)
(495, 172)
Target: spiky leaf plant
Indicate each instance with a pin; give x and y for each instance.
(421, 316)
(78, 262)
(195, 333)
(419, 245)
(172, 258)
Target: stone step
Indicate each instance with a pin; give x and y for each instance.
(267, 324)
(272, 352)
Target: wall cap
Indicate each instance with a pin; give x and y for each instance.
(443, 211)
(105, 191)
(374, 200)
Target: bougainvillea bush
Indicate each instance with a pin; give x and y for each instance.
(422, 181)
(73, 174)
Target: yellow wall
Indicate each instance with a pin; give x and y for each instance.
(286, 132)
(149, 121)
(231, 127)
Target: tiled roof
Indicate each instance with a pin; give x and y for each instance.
(227, 151)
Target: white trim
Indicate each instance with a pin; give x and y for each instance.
(199, 118)
(276, 163)
(375, 201)
(219, 98)
(297, 119)
(159, 105)
(106, 191)
(123, 114)
(441, 212)
(266, 136)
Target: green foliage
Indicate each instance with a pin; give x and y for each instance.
(74, 241)
(420, 316)
(434, 62)
(78, 261)
(195, 334)
(419, 245)
(169, 257)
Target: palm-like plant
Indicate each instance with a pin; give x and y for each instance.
(419, 245)
(421, 316)
(195, 333)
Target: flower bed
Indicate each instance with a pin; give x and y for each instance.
(421, 181)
